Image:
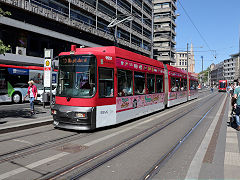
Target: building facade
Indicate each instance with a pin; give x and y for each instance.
(236, 59)
(229, 69)
(38, 24)
(181, 60)
(164, 30)
(216, 73)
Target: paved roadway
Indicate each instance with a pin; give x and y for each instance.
(128, 151)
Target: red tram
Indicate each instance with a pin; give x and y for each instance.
(222, 85)
(104, 86)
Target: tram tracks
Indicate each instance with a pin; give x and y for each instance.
(28, 150)
(84, 166)
(26, 135)
(161, 161)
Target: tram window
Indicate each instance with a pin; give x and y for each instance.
(178, 84)
(125, 83)
(106, 82)
(139, 83)
(193, 85)
(173, 85)
(196, 84)
(159, 84)
(151, 83)
(183, 84)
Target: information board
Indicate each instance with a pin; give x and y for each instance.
(47, 72)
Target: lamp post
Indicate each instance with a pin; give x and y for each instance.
(113, 24)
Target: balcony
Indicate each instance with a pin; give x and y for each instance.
(58, 16)
(166, 58)
(164, 29)
(164, 19)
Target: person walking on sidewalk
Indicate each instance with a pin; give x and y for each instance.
(32, 94)
(237, 105)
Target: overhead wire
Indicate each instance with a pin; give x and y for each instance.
(200, 34)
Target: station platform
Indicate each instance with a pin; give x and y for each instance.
(14, 117)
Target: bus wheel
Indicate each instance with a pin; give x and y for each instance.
(17, 98)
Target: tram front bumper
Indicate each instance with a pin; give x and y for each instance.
(76, 118)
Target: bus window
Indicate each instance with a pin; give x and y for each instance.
(106, 82)
(3, 83)
(159, 84)
(139, 83)
(151, 83)
(125, 83)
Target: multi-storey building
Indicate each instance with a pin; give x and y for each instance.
(216, 73)
(236, 59)
(164, 30)
(181, 60)
(229, 69)
(38, 24)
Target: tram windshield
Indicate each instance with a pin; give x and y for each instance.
(222, 84)
(77, 76)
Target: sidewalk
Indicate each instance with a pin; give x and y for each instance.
(15, 119)
(232, 151)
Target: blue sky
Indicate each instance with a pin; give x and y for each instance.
(217, 20)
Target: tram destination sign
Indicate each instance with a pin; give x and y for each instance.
(74, 60)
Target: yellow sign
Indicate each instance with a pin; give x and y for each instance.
(47, 63)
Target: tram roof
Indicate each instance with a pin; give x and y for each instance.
(118, 53)
(171, 68)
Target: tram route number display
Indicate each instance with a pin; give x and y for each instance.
(47, 72)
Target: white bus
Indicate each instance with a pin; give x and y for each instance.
(14, 81)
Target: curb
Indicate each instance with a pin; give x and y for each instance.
(9, 129)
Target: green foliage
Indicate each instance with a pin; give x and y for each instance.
(204, 74)
(4, 48)
(4, 13)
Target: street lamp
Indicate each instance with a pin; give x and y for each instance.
(113, 24)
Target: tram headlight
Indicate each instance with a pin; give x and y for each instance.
(81, 115)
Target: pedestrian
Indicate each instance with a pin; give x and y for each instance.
(228, 88)
(237, 105)
(212, 89)
(231, 90)
(32, 94)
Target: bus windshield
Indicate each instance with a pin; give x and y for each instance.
(77, 76)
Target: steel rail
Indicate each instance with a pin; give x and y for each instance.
(129, 143)
(26, 135)
(28, 150)
(156, 167)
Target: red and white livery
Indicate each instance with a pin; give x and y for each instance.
(105, 86)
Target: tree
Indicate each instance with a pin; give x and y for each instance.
(204, 75)
(4, 48)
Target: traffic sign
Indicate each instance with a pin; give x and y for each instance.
(47, 72)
